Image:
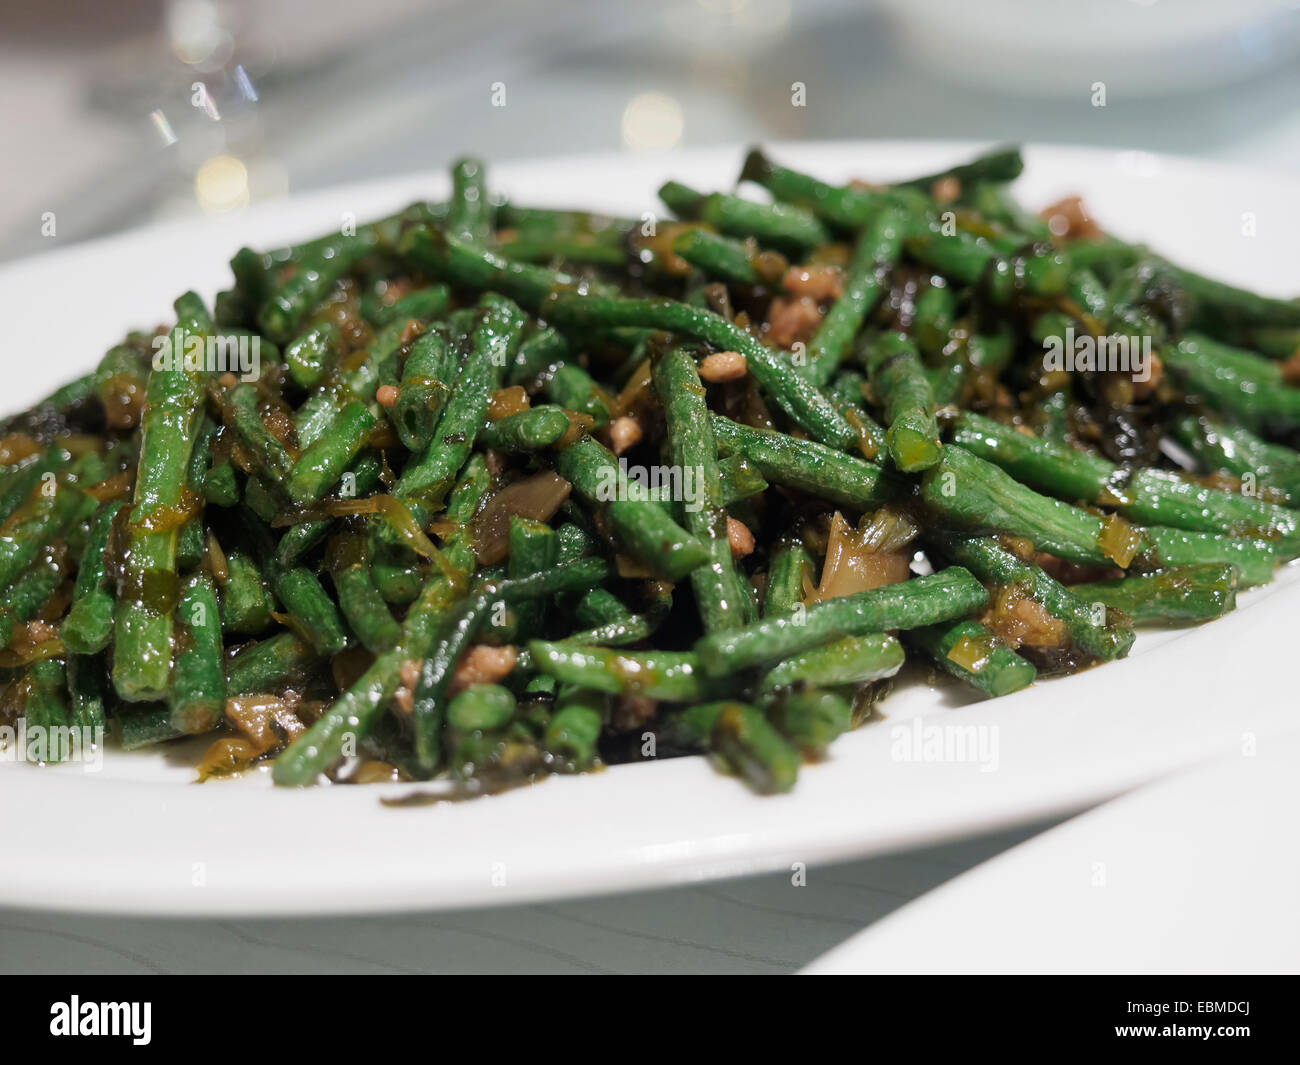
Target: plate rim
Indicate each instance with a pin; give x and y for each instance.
(631, 874)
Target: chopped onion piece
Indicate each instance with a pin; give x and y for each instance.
(1118, 540)
(537, 497)
(871, 557)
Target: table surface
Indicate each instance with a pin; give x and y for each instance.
(79, 143)
(762, 924)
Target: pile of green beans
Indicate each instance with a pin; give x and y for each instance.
(515, 490)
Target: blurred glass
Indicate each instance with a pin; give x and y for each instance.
(118, 114)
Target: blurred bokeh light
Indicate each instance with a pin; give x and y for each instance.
(116, 114)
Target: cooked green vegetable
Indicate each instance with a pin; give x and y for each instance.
(427, 377)
(1232, 449)
(314, 275)
(807, 466)
(1247, 387)
(778, 224)
(864, 284)
(726, 259)
(949, 593)
(792, 392)
(970, 652)
(742, 739)
(723, 602)
(640, 526)
(1093, 633)
(1150, 496)
(851, 660)
(198, 680)
(524, 487)
(572, 388)
(529, 430)
(359, 597)
(895, 372)
(812, 720)
(1190, 593)
(147, 588)
(428, 478)
(470, 215)
(88, 626)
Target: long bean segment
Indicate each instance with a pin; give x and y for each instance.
(428, 713)
(534, 548)
(240, 406)
(1216, 304)
(530, 430)
(742, 738)
(311, 610)
(315, 274)
(722, 602)
(199, 684)
(999, 165)
(462, 263)
(1239, 383)
(807, 466)
(972, 492)
(318, 469)
(427, 379)
(27, 596)
(641, 526)
(88, 626)
(147, 592)
(1066, 618)
(359, 597)
(311, 355)
(851, 660)
(574, 728)
(47, 709)
(923, 601)
(1189, 593)
(778, 224)
(493, 342)
(845, 206)
(470, 216)
(572, 388)
(671, 675)
(864, 283)
(1147, 496)
(913, 434)
(977, 494)
(283, 659)
(377, 366)
(972, 653)
(728, 260)
(424, 304)
(355, 713)
(788, 574)
(795, 395)
(1232, 449)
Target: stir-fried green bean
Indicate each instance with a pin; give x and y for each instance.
(515, 490)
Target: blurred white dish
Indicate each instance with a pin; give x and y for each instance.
(1196, 874)
(138, 837)
(1064, 47)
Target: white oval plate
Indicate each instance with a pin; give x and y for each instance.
(137, 836)
(1195, 874)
